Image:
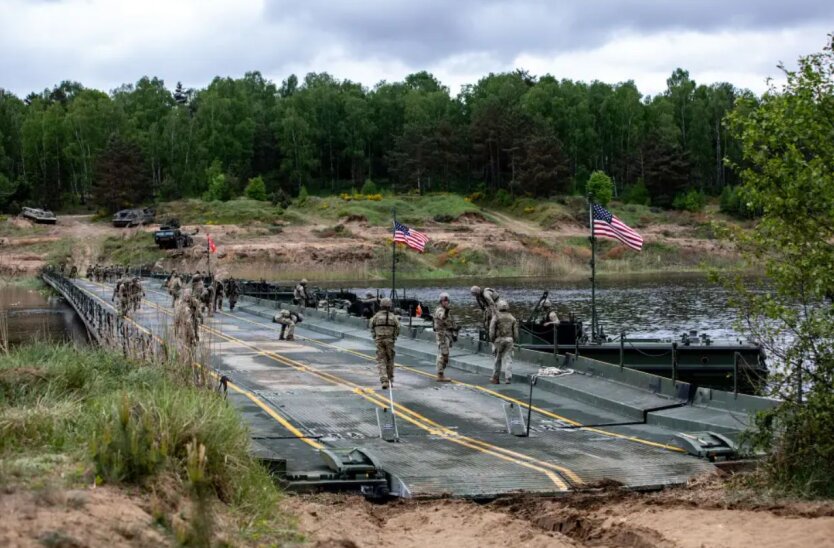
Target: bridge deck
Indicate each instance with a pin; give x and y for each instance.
(322, 390)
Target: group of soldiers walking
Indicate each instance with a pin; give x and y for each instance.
(128, 294)
(191, 299)
(105, 273)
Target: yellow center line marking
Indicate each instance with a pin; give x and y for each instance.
(421, 422)
(240, 390)
(484, 389)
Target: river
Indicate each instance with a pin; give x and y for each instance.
(28, 314)
(643, 306)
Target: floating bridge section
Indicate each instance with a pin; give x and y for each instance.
(313, 406)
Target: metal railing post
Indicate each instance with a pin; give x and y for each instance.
(622, 349)
(736, 356)
(576, 340)
(674, 362)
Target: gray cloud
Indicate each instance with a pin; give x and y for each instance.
(424, 32)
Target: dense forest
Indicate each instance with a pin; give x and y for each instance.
(527, 135)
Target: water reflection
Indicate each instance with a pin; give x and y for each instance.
(31, 315)
(659, 306)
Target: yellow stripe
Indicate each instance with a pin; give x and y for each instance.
(257, 401)
(486, 390)
(439, 430)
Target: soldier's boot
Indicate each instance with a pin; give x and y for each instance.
(385, 384)
(290, 338)
(494, 380)
(442, 378)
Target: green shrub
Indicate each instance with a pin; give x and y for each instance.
(600, 188)
(256, 189)
(638, 194)
(218, 189)
(280, 198)
(693, 201)
(369, 187)
(503, 198)
(302, 194)
(732, 202)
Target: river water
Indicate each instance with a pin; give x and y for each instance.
(30, 314)
(643, 306)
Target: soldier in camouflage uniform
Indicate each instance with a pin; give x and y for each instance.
(445, 330)
(217, 303)
(136, 294)
(287, 322)
(503, 331)
(174, 286)
(233, 292)
(185, 326)
(385, 328)
(122, 292)
(300, 295)
(486, 299)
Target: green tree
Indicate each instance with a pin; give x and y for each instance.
(121, 178)
(600, 188)
(788, 173)
(256, 189)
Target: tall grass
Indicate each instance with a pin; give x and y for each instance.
(136, 423)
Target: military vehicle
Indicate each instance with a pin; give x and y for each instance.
(133, 217)
(170, 236)
(692, 357)
(42, 216)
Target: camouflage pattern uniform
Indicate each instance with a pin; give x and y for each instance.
(185, 329)
(136, 294)
(233, 292)
(73, 271)
(218, 296)
(300, 294)
(444, 329)
(122, 292)
(287, 324)
(486, 299)
(174, 286)
(385, 328)
(503, 330)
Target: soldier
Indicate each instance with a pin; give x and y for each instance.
(136, 294)
(185, 329)
(285, 318)
(300, 294)
(385, 328)
(73, 272)
(445, 330)
(61, 267)
(196, 307)
(174, 286)
(122, 292)
(486, 299)
(217, 304)
(233, 292)
(198, 290)
(549, 316)
(503, 330)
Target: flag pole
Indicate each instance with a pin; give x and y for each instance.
(593, 271)
(394, 257)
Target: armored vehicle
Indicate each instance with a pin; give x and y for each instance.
(42, 216)
(133, 217)
(170, 236)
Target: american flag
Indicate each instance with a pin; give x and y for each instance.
(410, 237)
(606, 225)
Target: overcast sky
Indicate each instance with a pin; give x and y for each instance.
(104, 43)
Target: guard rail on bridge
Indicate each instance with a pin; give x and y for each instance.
(105, 325)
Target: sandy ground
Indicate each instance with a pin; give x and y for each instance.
(312, 249)
(73, 518)
(703, 516)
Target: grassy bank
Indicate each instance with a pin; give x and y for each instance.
(73, 418)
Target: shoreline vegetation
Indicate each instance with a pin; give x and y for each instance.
(83, 427)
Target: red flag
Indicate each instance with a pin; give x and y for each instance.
(419, 311)
(211, 246)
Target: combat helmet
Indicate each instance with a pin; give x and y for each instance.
(475, 290)
(385, 303)
(443, 295)
(303, 281)
(503, 305)
(547, 304)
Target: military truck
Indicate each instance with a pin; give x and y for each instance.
(170, 236)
